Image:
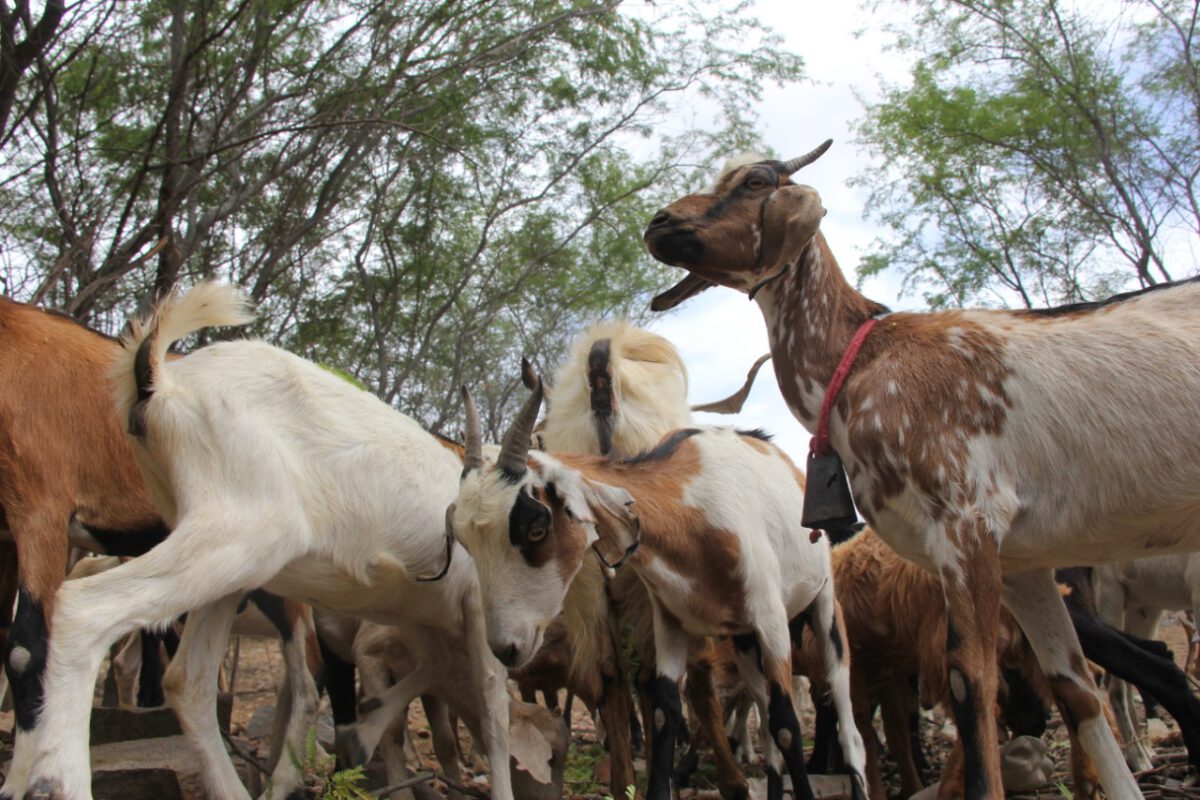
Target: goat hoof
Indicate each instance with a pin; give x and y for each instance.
(856, 787)
(45, 790)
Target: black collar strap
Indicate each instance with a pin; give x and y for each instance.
(637, 542)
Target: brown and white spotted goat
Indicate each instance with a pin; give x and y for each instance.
(617, 394)
(709, 520)
(987, 446)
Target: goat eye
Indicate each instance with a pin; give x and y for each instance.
(538, 531)
(756, 182)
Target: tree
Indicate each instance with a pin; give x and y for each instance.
(1039, 154)
(415, 193)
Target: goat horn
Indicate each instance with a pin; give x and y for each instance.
(514, 450)
(809, 157)
(528, 376)
(473, 456)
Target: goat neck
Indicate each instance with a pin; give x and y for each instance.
(812, 312)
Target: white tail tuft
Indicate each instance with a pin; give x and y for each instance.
(206, 305)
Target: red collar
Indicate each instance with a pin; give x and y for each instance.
(820, 440)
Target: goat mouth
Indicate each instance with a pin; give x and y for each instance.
(679, 248)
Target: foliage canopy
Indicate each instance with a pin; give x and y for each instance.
(1040, 151)
(417, 193)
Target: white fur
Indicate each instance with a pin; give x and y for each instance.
(1132, 596)
(275, 473)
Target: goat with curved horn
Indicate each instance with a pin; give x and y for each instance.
(514, 449)
(473, 455)
(809, 157)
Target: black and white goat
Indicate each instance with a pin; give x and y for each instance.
(979, 444)
(708, 520)
(270, 472)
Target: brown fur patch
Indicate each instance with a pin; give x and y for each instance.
(62, 449)
(676, 533)
(895, 623)
(1076, 703)
(924, 385)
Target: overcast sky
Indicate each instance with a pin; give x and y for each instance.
(721, 333)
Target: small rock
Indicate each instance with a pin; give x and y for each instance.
(262, 726)
(1025, 764)
(130, 724)
(261, 723)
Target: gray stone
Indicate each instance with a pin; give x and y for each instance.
(128, 724)
(262, 725)
(148, 769)
(134, 784)
(1025, 764)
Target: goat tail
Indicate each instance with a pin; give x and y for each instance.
(137, 372)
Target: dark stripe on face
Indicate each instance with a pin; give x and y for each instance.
(528, 526)
(28, 636)
(769, 171)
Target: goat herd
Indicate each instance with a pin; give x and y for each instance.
(986, 449)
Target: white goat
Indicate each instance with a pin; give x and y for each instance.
(1132, 596)
(432, 662)
(271, 472)
(986, 446)
(708, 520)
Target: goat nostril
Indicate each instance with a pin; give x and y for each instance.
(510, 655)
(661, 218)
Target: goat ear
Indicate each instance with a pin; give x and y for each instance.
(790, 220)
(613, 500)
(567, 485)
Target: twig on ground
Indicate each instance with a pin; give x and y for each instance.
(404, 784)
(245, 755)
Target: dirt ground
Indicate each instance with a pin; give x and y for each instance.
(260, 668)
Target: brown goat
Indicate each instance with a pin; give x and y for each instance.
(63, 457)
(896, 625)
